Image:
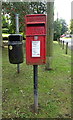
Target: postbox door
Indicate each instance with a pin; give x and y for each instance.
(35, 50)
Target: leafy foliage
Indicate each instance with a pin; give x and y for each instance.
(14, 8)
(38, 7)
(71, 26)
(22, 8)
(64, 26)
(5, 24)
(60, 27)
(57, 29)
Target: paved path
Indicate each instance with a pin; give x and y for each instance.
(70, 42)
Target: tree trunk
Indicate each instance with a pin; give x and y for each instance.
(0, 25)
(0, 64)
(50, 30)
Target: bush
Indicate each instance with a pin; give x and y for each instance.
(5, 30)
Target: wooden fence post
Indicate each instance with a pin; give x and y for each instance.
(66, 47)
(63, 45)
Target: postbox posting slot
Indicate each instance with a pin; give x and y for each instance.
(38, 24)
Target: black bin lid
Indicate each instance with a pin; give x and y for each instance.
(15, 37)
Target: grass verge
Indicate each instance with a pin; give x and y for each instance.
(54, 88)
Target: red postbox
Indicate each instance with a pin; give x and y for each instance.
(35, 39)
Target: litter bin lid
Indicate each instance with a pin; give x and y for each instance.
(15, 37)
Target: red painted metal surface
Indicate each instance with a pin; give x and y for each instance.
(35, 39)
